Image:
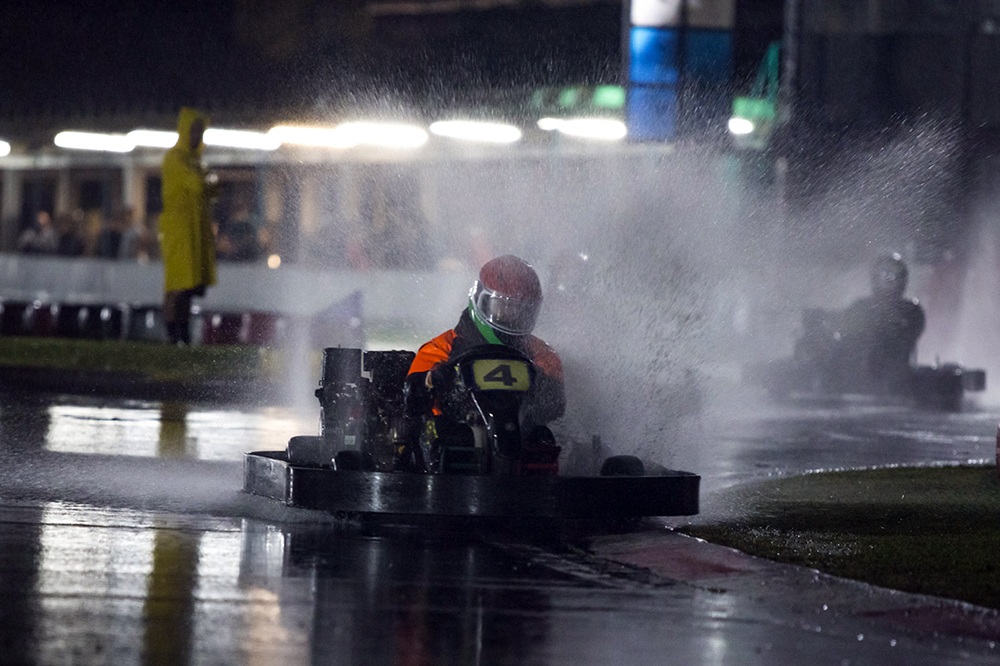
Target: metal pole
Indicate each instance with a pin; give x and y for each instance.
(626, 32)
(682, 75)
(10, 214)
(790, 58)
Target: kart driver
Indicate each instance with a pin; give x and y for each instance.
(881, 330)
(503, 306)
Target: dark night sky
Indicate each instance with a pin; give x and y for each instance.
(80, 58)
(104, 54)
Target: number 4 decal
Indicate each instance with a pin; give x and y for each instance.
(494, 374)
(501, 374)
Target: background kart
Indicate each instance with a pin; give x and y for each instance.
(825, 364)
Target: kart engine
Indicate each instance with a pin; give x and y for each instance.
(361, 406)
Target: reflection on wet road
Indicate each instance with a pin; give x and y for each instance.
(750, 442)
(169, 429)
(124, 539)
(100, 586)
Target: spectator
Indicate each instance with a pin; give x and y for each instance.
(109, 240)
(237, 240)
(39, 238)
(93, 223)
(186, 239)
(68, 227)
(267, 237)
(135, 238)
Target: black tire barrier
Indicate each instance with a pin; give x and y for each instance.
(142, 323)
(221, 328)
(145, 324)
(263, 329)
(45, 319)
(40, 319)
(90, 322)
(72, 321)
(12, 316)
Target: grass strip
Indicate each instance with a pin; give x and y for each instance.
(928, 530)
(160, 362)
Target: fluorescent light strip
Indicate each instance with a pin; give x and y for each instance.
(110, 143)
(470, 130)
(317, 137)
(349, 135)
(385, 135)
(240, 139)
(124, 143)
(549, 124)
(346, 135)
(600, 129)
(152, 138)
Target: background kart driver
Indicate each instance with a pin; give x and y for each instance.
(880, 331)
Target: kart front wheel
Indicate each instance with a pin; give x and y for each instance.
(623, 466)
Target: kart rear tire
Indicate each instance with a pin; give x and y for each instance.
(974, 380)
(348, 460)
(309, 450)
(623, 466)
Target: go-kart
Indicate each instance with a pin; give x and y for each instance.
(475, 458)
(829, 362)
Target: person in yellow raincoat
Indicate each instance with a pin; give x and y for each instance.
(187, 242)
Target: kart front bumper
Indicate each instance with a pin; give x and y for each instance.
(668, 493)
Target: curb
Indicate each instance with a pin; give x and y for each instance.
(818, 597)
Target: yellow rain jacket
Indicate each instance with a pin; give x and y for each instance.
(186, 239)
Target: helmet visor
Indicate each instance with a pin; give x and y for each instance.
(507, 315)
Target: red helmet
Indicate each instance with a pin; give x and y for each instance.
(507, 296)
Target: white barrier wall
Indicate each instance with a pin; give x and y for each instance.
(427, 301)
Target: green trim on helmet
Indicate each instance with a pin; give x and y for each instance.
(484, 329)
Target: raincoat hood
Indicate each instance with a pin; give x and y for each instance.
(185, 120)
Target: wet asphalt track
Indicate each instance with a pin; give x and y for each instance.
(124, 539)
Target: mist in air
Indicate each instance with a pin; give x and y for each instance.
(666, 272)
(665, 269)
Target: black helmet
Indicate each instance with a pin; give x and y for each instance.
(888, 275)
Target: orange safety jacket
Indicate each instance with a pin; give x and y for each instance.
(439, 350)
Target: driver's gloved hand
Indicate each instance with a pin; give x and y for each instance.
(420, 389)
(417, 397)
(440, 378)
